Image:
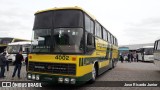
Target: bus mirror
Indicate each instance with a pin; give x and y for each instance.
(89, 39)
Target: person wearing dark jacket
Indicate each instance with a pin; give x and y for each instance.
(2, 64)
(121, 58)
(26, 61)
(18, 64)
(132, 57)
(7, 61)
(137, 57)
(129, 57)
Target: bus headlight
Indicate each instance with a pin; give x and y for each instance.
(60, 80)
(73, 81)
(33, 76)
(66, 80)
(29, 76)
(37, 77)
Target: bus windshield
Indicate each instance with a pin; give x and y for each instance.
(13, 48)
(58, 31)
(68, 40)
(148, 51)
(62, 40)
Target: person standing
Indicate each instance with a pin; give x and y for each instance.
(136, 56)
(129, 57)
(121, 58)
(7, 61)
(18, 64)
(2, 64)
(26, 62)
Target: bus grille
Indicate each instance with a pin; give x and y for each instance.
(55, 68)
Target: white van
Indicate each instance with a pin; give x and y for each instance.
(15, 47)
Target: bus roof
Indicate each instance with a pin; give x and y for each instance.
(13, 38)
(148, 46)
(63, 8)
(19, 43)
(3, 45)
(76, 8)
(158, 40)
(124, 48)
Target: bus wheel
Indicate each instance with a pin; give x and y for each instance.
(111, 65)
(94, 73)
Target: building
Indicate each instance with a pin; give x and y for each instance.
(123, 50)
(137, 46)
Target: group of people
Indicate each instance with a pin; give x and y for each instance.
(17, 64)
(130, 57)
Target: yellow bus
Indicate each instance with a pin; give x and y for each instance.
(70, 47)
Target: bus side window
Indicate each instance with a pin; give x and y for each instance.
(89, 24)
(155, 45)
(21, 49)
(26, 50)
(158, 45)
(109, 37)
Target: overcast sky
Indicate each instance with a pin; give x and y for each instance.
(131, 21)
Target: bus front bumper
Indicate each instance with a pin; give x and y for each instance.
(58, 79)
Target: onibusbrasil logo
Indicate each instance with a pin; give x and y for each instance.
(21, 84)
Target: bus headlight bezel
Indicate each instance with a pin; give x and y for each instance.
(60, 80)
(29, 76)
(33, 76)
(66, 80)
(37, 77)
(73, 81)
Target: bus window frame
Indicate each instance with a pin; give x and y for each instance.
(155, 45)
(109, 37)
(105, 33)
(158, 45)
(85, 33)
(91, 23)
(99, 27)
(116, 42)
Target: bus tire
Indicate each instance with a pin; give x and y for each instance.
(94, 74)
(111, 64)
(115, 63)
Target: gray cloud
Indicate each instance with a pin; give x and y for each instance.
(123, 19)
(145, 31)
(14, 20)
(149, 22)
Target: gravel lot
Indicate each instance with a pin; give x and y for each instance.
(122, 73)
